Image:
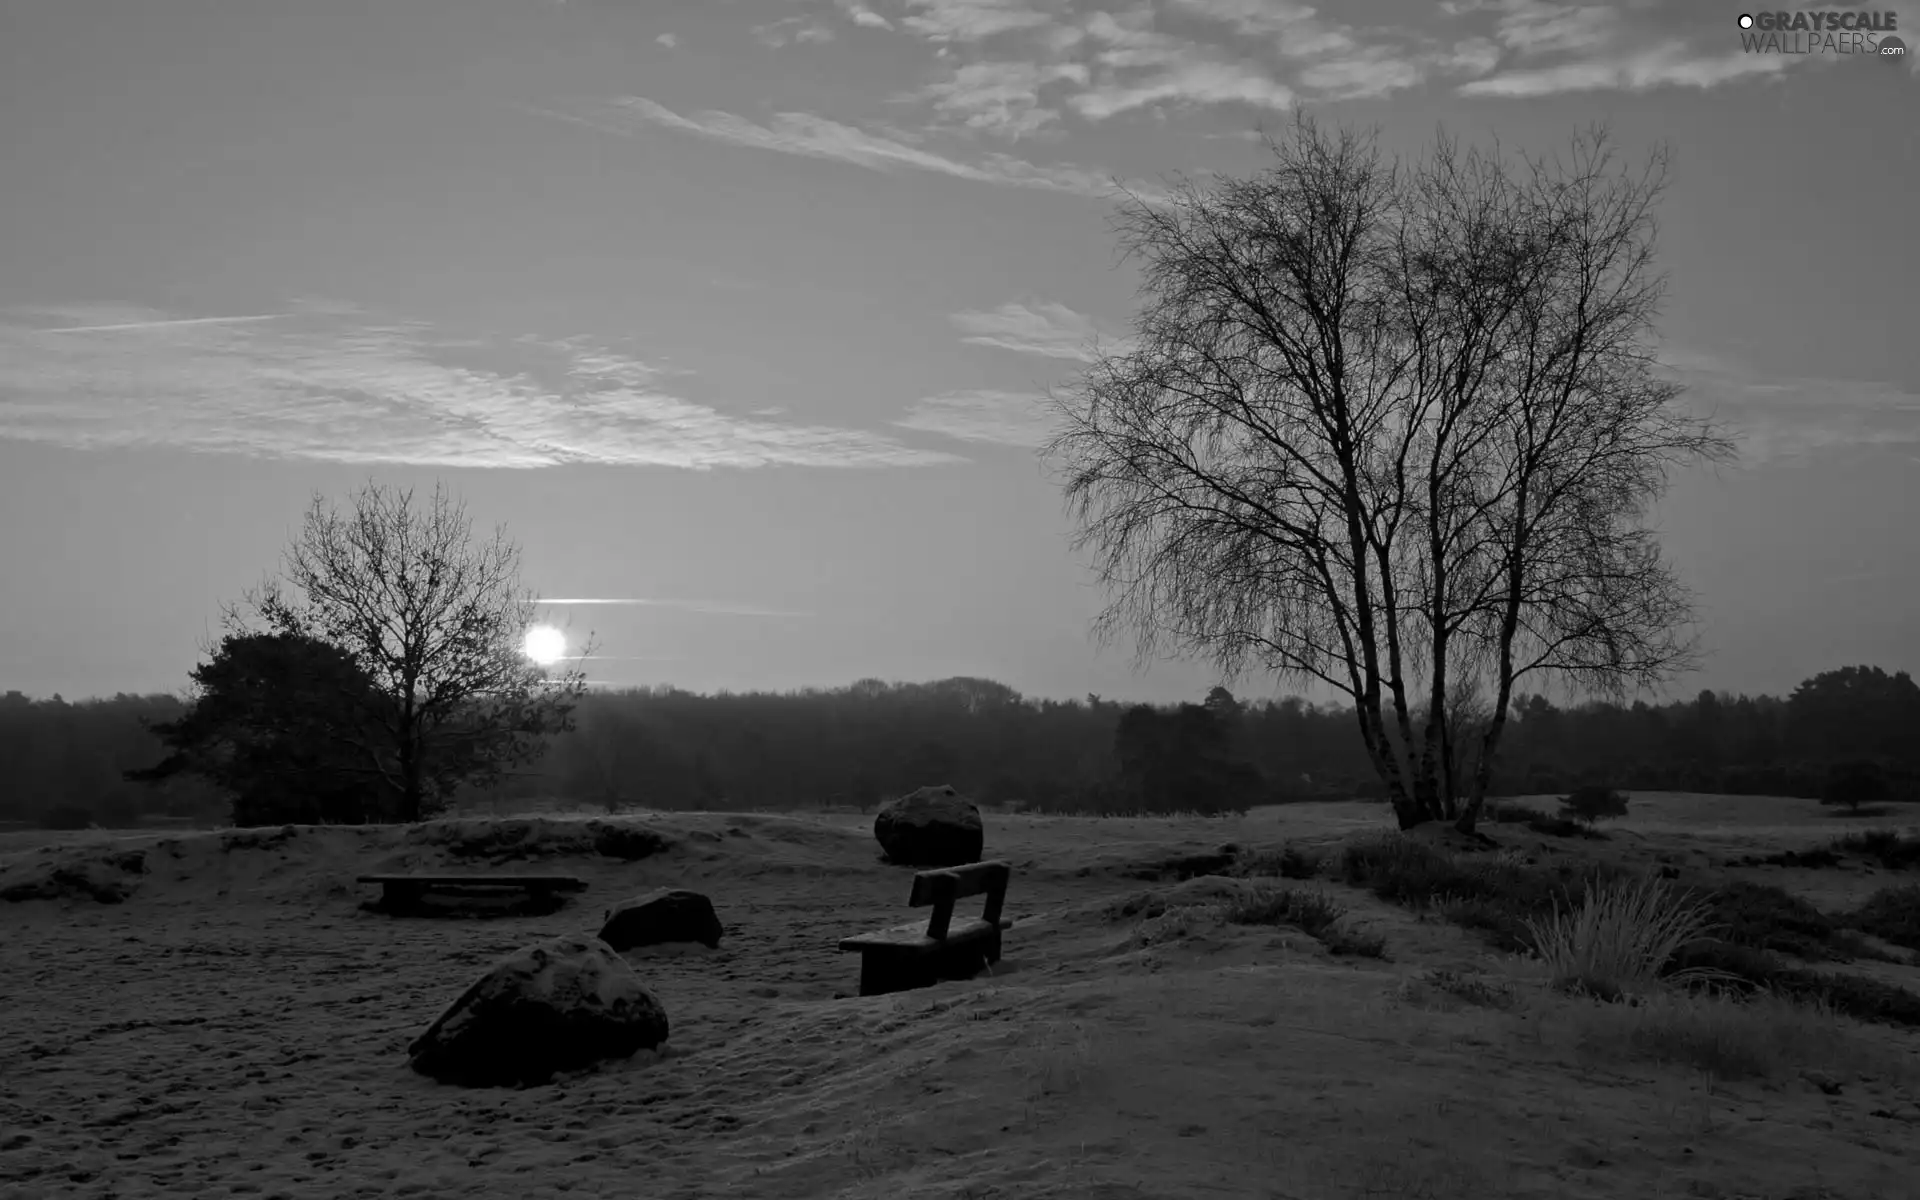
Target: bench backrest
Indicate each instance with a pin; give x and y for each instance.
(942, 887)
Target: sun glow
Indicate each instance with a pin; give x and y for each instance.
(545, 644)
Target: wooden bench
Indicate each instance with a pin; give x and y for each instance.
(405, 892)
(913, 955)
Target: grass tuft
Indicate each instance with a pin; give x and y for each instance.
(1762, 1037)
(1620, 938)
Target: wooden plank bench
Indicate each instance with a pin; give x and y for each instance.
(913, 955)
(403, 892)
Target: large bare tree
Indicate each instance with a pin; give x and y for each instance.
(438, 622)
(1394, 427)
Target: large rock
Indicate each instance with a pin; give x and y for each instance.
(557, 1005)
(931, 827)
(667, 915)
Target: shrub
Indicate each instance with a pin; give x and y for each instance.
(1562, 827)
(1296, 863)
(1894, 914)
(1313, 913)
(1509, 813)
(1854, 784)
(1619, 938)
(1593, 803)
(1771, 918)
(1763, 1037)
(1894, 851)
(1746, 970)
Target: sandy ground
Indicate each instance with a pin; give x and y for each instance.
(236, 1027)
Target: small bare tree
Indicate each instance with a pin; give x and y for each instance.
(438, 624)
(1389, 427)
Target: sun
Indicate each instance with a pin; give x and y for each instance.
(545, 644)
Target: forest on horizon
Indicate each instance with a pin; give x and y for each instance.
(663, 748)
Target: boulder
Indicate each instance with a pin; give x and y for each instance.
(556, 1005)
(931, 827)
(667, 915)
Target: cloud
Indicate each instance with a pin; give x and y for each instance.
(1002, 97)
(1050, 330)
(1786, 420)
(972, 20)
(1530, 28)
(668, 40)
(1669, 65)
(791, 29)
(1001, 418)
(817, 137)
(716, 607)
(863, 16)
(336, 387)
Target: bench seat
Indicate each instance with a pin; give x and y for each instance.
(919, 954)
(913, 937)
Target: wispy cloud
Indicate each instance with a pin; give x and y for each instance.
(1001, 418)
(861, 15)
(1669, 65)
(973, 20)
(1031, 327)
(1788, 420)
(776, 34)
(167, 323)
(1003, 97)
(668, 40)
(817, 137)
(339, 387)
(717, 607)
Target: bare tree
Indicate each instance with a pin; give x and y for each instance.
(1386, 426)
(438, 624)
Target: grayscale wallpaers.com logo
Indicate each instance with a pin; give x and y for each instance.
(1822, 33)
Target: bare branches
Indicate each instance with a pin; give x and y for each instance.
(1391, 427)
(437, 622)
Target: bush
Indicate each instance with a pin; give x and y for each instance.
(1894, 851)
(1562, 827)
(1724, 966)
(1296, 863)
(1313, 913)
(1762, 1037)
(1770, 918)
(1854, 784)
(1620, 937)
(1509, 813)
(1893, 914)
(1593, 803)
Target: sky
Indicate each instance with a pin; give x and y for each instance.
(737, 313)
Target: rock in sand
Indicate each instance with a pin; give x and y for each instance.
(556, 1005)
(931, 827)
(667, 915)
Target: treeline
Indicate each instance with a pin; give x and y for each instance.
(669, 749)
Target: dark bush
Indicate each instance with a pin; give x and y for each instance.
(1593, 803)
(1563, 827)
(1894, 851)
(1893, 914)
(1770, 918)
(1854, 784)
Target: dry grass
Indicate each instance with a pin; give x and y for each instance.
(1762, 1037)
(1620, 937)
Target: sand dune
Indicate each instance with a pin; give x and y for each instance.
(214, 1014)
